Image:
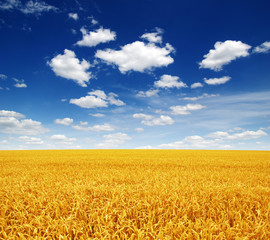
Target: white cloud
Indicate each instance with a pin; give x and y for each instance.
(30, 140)
(112, 100)
(95, 128)
(244, 135)
(59, 138)
(113, 140)
(196, 85)
(190, 142)
(142, 116)
(64, 121)
(168, 81)
(150, 120)
(91, 39)
(184, 110)
(217, 81)
(20, 85)
(73, 16)
(139, 130)
(145, 147)
(12, 125)
(97, 115)
(5, 113)
(83, 123)
(94, 22)
(31, 7)
(149, 93)
(96, 99)
(3, 76)
(137, 56)
(263, 48)
(70, 67)
(205, 95)
(154, 36)
(223, 54)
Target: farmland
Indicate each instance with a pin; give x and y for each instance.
(134, 194)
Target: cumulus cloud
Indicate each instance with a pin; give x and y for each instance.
(190, 142)
(223, 53)
(196, 85)
(30, 140)
(113, 140)
(6, 113)
(92, 39)
(64, 121)
(168, 81)
(73, 16)
(149, 93)
(96, 99)
(217, 81)
(70, 67)
(95, 128)
(263, 48)
(137, 56)
(150, 120)
(11, 123)
(153, 37)
(244, 135)
(30, 7)
(184, 110)
(59, 138)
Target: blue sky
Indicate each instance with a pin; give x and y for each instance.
(134, 74)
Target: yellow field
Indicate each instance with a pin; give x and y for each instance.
(134, 194)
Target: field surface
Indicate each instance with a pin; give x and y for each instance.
(134, 194)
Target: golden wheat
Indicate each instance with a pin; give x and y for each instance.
(134, 194)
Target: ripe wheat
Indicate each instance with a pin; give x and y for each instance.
(134, 194)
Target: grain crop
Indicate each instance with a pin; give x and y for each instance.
(134, 194)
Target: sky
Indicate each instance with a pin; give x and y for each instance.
(134, 74)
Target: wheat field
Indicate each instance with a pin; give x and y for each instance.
(134, 194)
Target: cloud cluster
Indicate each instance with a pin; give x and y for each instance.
(68, 66)
(189, 143)
(185, 110)
(223, 53)
(30, 7)
(168, 81)
(137, 56)
(30, 140)
(96, 99)
(19, 83)
(62, 139)
(95, 128)
(113, 140)
(11, 123)
(64, 121)
(213, 140)
(91, 39)
(148, 93)
(150, 120)
(244, 135)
